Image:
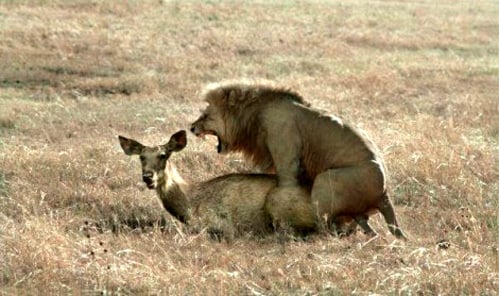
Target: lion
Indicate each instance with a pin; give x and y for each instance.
(279, 132)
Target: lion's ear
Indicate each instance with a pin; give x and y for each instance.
(233, 97)
(215, 96)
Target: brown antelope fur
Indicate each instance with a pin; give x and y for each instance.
(279, 132)
(227, 206)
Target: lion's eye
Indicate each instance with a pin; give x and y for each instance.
(162, 156)
(142, 158)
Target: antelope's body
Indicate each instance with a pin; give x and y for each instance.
(226, 206)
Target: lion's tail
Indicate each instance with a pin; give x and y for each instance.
(386, 209)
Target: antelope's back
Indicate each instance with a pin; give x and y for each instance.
(234, 201)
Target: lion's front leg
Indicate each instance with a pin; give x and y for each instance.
(285, 146)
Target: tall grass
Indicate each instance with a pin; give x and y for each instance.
(422, 78)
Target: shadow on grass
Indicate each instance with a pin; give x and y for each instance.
(127, 225)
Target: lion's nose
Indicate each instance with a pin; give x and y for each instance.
(196, 130)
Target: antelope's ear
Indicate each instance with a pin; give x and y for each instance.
(177, 141)
(129, 146)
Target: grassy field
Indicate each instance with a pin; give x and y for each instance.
(422, 78)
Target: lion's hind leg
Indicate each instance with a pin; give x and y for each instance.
(350, 191)
(386, 209)
(342, 226)
(362, 220)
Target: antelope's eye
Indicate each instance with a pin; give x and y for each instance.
(142, 158)
(162, 156)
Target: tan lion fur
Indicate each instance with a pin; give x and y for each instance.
(279, 132)
(241, 100)
(227, 206)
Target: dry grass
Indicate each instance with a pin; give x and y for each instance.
(421, 78)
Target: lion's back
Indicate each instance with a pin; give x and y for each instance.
(325, 141)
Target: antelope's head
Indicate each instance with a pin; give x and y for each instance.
(154, 159)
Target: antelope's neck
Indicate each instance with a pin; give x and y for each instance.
(173, 195)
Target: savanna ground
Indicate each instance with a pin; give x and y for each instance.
(422, 78)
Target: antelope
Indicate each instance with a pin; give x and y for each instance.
(227, 206)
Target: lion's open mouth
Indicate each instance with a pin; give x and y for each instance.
(222, 146)
(204, 133)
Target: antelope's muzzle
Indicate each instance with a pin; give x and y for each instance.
(148, 178)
